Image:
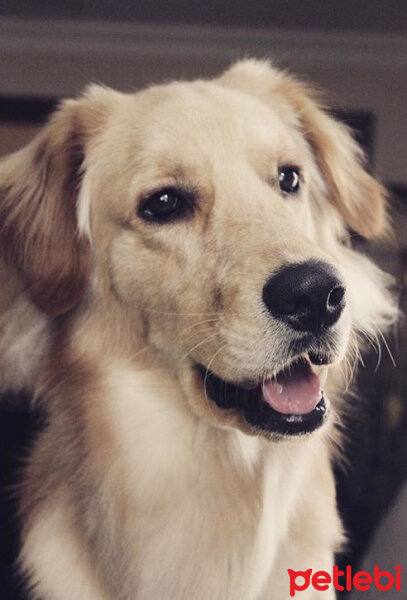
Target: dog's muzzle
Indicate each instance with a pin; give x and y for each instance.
(308, 298)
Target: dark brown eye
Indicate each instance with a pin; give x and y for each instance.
(166, 205)
(289, 180)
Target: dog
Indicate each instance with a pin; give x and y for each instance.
(189, 316)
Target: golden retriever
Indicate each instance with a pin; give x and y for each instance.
(190, 309)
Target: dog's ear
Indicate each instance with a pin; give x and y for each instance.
(360, 199)
(39, 188)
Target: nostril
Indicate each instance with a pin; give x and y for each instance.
(336, 296)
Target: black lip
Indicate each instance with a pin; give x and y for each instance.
(256, 411)
(267, 419)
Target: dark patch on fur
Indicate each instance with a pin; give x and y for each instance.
(218, 299)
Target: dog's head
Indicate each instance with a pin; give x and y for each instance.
(213, 216)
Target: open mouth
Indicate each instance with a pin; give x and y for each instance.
(291, 403)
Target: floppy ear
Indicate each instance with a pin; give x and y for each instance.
(359, 198)
(39, 188)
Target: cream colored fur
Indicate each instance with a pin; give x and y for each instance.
(141, 488)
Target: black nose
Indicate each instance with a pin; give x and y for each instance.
(307, 296)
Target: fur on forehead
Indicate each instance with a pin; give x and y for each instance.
(357, 196)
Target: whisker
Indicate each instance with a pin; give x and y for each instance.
(372, 339)
(386, 345)
(204, 341)
(197, 324)
(358, 353)
(182, 314)
(346, 372)
(208, 369)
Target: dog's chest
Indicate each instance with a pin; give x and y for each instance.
(209, 516)
(205, 509)
(218, 543)
(177, 509)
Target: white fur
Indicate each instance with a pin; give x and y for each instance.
(24, 338)
(52, 551)
(83, 207)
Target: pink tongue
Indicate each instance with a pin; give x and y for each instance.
(296, 393)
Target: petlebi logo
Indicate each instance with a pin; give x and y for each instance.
(345, 580)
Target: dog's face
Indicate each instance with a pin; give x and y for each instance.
(209, 206)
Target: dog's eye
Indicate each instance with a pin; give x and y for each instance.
(289, 180)
(166, 205)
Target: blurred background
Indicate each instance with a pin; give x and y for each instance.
(355, 50)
